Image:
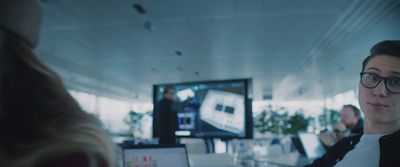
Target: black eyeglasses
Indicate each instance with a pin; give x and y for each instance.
(372, 80)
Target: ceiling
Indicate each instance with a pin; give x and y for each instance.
(307, 49)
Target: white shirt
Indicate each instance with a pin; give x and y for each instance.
(365, 154)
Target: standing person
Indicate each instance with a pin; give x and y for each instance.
(165, 118)
(379, 98)
(41, 125)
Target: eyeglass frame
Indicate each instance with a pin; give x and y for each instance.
(385, 79)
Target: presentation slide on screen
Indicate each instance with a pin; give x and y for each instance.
(223, 110)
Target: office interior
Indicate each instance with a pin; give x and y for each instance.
(300, 59)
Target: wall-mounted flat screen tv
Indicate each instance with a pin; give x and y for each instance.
(209, 109)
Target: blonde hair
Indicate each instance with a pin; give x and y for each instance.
(39, 118)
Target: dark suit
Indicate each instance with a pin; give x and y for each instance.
(165, 121)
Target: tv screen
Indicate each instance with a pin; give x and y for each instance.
(211, 109)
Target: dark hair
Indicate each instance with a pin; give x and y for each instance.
(39, 118)
(388, 48)
(40, 121)
(166, 89)
(356, 111)
(25, 80)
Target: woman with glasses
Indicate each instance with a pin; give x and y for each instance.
(379, 98)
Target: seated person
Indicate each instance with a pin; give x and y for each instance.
(350, 123)
(41, 125)
(350, 116)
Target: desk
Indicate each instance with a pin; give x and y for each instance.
(282, 160)
(211, 160)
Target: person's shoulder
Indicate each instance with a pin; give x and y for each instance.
(393, 137)
(77, 159)
(348, 141)
(162, 101)
(336, 153)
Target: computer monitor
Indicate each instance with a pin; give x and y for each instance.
(210, 109)
(155, 156)
(311, 146)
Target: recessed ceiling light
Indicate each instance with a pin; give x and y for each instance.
(178, 53)
(139, 8)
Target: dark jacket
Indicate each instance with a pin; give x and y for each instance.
(358, 128)
(165, 121)
(389, 151)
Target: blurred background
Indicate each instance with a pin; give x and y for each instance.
(303, 57)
